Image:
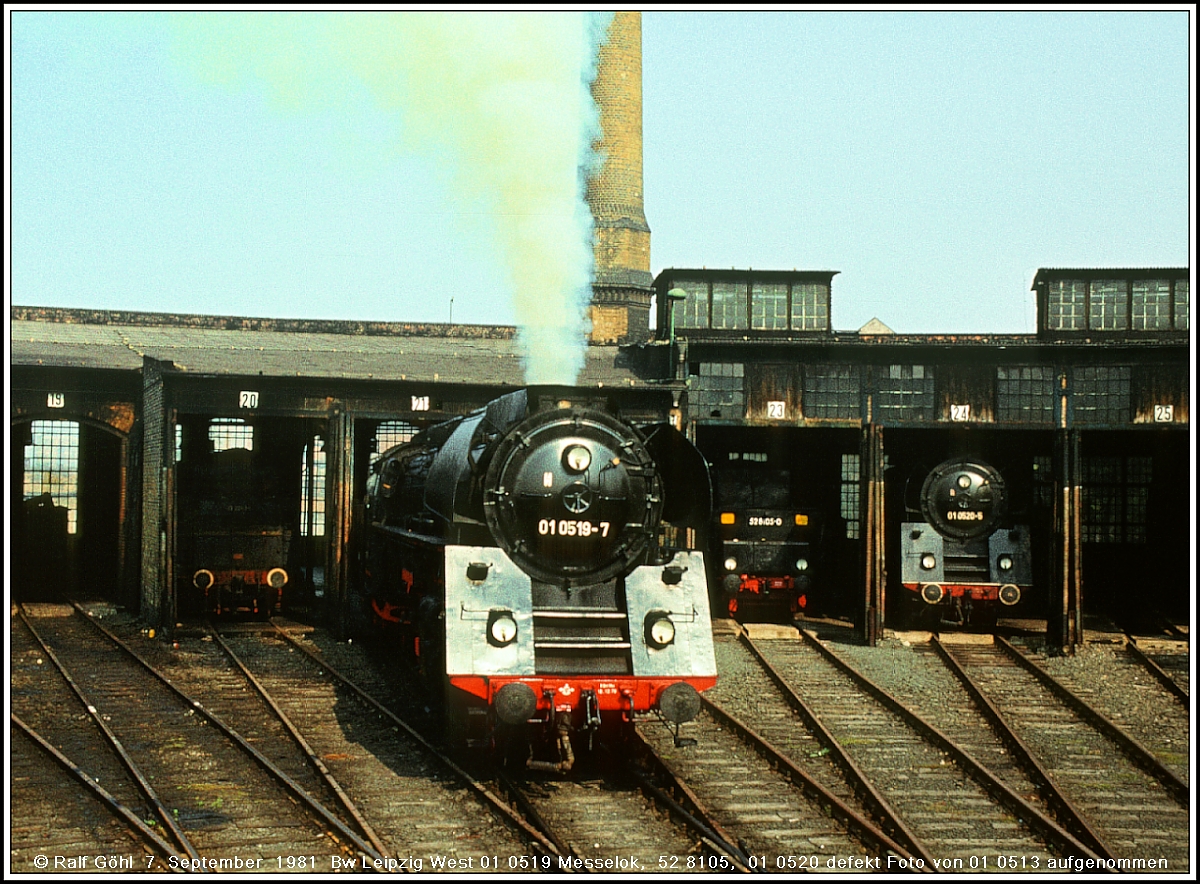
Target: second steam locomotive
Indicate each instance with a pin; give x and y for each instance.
(966, 557)
(531, 555)
(766, 544)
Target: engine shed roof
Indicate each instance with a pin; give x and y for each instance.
(234, 346)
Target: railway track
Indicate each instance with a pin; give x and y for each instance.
(1169, 662)
(114, 719)
(398, 801)
(69, 828)
(822, 781)
(414, 794)
(1139, 814)
(962, 814)
(603, 823)
(774, 786)
(1075, 772)
(1149, 706)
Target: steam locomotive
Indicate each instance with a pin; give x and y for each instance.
(528, 555)
(767, 546)
(967, 558)
(235, 538)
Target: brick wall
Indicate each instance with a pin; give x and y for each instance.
(615, 195)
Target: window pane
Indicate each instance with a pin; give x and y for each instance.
(1116, 493)
(52, 466)
(693, 312)
(1151, 304)
(390, 433)
(905, 392)
(768, 303)
(1181, 304)
(1101, 394)
(1109, 305)
(729, 305)
(230, 432)
(1025, 393)
(1065, 304)
(718, 390)
(850, 498)
(312, 490)
(831, 391)
(810, 307)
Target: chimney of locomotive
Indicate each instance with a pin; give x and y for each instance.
(620, 308)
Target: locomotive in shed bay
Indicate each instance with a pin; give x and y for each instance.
(235, 539)
(532, 558)
(964, 558)
(766, 544)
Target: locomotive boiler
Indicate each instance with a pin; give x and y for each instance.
(532, 557)
(966, 557)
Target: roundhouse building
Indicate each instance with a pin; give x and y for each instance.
(1088, 418)
(111, 413)
(117, 419)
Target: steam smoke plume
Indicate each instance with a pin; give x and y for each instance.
(502, 100)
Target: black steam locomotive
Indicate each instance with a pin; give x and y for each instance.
(766, 544)
(235, 538)
(966, 559)
(528, 554)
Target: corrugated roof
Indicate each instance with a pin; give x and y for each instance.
(457, 355)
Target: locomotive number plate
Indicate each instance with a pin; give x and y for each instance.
(766, 521)
(964, 516)
(572, 528)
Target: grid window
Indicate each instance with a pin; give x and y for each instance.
(810, 307)
(1116, 491)
(1100, 394)
(1043, 482)
(1066, 301)
(230, 432)
(693, 311)
(718, 389)
(1101, 499)
(1025, 393)
(52, 466)
(389, 434)
(768, 305)
(1151, 304)
(1109, 305)
(1181, 304)
(729, 305)
(312, 491)
(832, 392)
(850, 494)
(905, 392)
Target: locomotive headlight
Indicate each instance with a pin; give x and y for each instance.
(660, 631)
(964, 481)
(577, 458)
(731, 564)
(276, 578)
(801, 564)
(1005, 563)
(502, 629)
(928, 561)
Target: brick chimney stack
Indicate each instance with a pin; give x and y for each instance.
(620, 309)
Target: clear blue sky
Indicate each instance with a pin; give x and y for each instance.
(934, 159)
